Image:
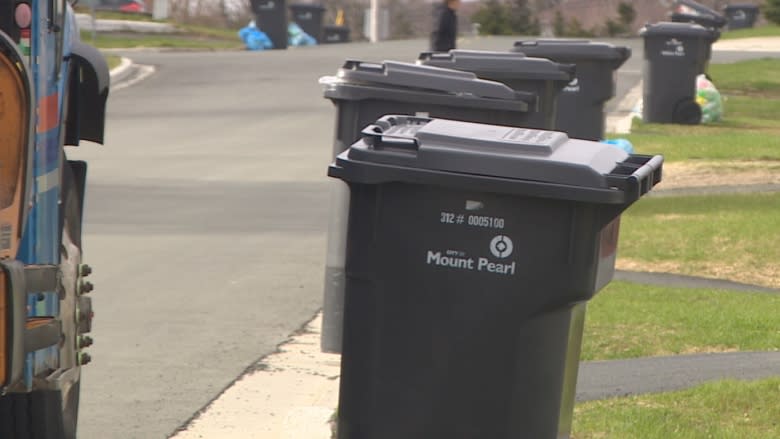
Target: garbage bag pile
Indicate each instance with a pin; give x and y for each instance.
(254, 38)
(709, 99)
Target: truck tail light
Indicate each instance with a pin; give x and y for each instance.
(14, 145)
(3, 327)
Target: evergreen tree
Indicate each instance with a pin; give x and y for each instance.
(559, 24)
(627, 15)
(772, 11)
(521, 18)
(493, 18)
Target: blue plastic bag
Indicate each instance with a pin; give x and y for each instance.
(297, 37)
(622, 144)
(254, 38)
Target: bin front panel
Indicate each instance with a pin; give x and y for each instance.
(271, 18)
(741, 16)
(580, 110)
(457, 311)
(669, 74)
(335, 34)
(309, 18)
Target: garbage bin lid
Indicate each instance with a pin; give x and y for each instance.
(741, 6)
(510, 65)
(403, 144)
(306, 6)
(670, 29)
(573, 50)
(425, 78)
(688, 9)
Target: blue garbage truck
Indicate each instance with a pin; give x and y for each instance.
(53, 92)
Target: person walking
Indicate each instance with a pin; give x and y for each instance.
(445, 28)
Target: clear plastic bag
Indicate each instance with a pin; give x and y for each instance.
(709, 99)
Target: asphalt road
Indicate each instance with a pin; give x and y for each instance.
(205, 224)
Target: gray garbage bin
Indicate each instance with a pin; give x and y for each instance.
(362, 92)
(741, 16)
(469, 247)
(675, 53)
(309, 18)
(539, 76)
(689, 11)
(581, 103)
(271, 18)
(335, 34)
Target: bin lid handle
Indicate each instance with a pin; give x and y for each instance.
(394, 133)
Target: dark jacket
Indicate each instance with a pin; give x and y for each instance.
(445, 30)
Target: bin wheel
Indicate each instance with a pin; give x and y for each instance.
(687, 112)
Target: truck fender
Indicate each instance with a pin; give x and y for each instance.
(87, 94)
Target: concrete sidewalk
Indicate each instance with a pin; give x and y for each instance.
(290, 395)
(757, 44)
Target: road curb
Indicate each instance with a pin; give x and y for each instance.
(290, 394)
(681, 280)
(639, 376)
(121, 71)
(129, 73)
(620, 120)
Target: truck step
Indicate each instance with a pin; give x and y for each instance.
(41, 332)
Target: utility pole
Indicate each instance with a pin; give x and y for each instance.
(374, 37)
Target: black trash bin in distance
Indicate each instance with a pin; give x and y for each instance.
(580, 111)
(332, 34)
(468, 248)
(675, 53)
(543, 77)
(363, 92)
(271, 18)
(688, 11)
(741, 16)
(309, 18)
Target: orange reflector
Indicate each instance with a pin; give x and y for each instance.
(3, 329)
(34, 322)
(13, 154)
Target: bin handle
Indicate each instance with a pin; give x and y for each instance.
(425, 56)
(636, 175)
(382, 134)
(352, 64)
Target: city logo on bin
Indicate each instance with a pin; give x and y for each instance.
(501, 247)
(674, 47)
(573, 86)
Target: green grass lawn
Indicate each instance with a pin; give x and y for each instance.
(113, 61)
(771, 30)
(189, 41)
(719, 410)
(725, 236)
(189, 36)
(629, 320)
(115, 15)
(755, 76)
